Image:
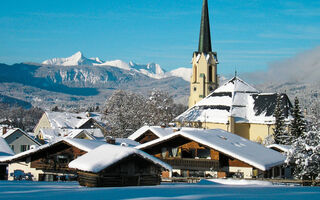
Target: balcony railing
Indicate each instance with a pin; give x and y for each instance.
(192, 164)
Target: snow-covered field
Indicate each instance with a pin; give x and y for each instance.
(203, 190)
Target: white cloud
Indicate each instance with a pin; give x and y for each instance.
(303, 67)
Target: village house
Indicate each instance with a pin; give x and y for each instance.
(239, 108)
(215, 153)
(122, 166)
(149, 133)
(5, 151)
(49, 162)
(19, 140)
(65, 120)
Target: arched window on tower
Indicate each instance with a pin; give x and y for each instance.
(195, 73)
(210, 73)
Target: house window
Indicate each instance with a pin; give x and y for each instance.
(210, 73)
(194, 73)
(24, 148)
(12, 147)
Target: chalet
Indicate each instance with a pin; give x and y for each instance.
(214, 152)
(65, 120)
(19, 140)
(239, 108)
(49, 162)
(149, 133)
(5, 152)
(122, 166)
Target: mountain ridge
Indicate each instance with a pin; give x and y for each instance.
(71, 86)
(151, 69)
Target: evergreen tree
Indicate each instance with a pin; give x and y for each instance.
(305, 156)
(279, 132)
(297, 126)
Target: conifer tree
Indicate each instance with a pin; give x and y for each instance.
(304, 156)
(279, 132)
(297, 126)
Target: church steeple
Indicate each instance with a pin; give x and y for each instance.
(205, 39)
(204, 78)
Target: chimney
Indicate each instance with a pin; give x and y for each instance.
(176, 129)
(4, 130)
(110, 140)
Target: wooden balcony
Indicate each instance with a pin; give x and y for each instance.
(51, 167)
(192, 164)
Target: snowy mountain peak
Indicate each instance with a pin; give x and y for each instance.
(74, 60)
(117, 63)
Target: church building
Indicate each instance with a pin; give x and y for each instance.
(236, 106)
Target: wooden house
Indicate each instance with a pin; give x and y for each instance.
(216, 153)
(19, 141)
(121, 166)
(49, 162)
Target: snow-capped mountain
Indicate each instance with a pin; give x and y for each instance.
(74, 60)
(117, 63)
(47, 85)
(152, 70)
(184, 73)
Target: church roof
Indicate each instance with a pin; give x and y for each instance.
(204, 38)
(238, 99)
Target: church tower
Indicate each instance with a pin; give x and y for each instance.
(204, 63)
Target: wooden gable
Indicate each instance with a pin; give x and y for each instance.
(55, 157)
(146, 137)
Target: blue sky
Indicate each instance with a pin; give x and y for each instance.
(246, 34)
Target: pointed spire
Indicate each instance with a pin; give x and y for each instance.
(204, 39)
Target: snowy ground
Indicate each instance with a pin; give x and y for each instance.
(203, 190)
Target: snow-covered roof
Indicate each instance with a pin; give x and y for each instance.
(85, 145)
(94, 162)
(157, 130)
(281, 147)
(70, 120)
(238, 99)
(73, 133)
(51, 135)
(95, 132)
(126, 142)
(5, 150)
(11, 131)
(227, 143)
